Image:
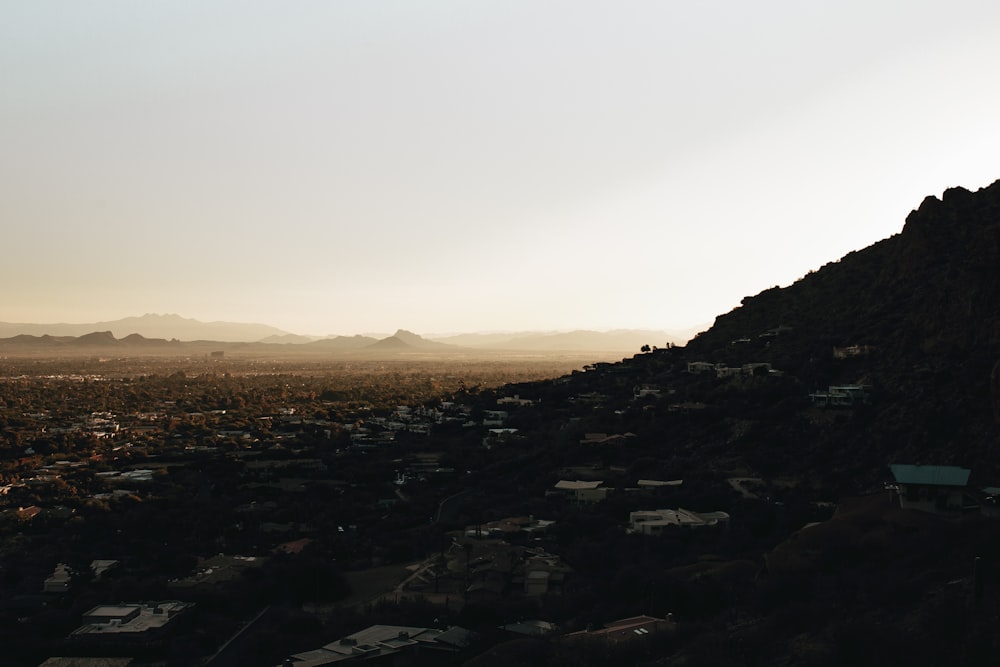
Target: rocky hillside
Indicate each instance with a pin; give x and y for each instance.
(933, 289)
(920, 312)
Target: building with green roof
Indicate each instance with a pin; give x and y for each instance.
(938, 489)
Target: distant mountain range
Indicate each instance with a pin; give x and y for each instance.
(152, 330)
(152, 325)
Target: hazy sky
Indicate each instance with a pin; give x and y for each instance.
(442, 166)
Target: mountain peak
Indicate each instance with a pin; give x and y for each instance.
(97, 338)
(408, 337)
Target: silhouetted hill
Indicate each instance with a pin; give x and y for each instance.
(403, 341)
(28, 340)
(97, 338)
(138, 341)
(922, 309)
(392, 343)
(933, 288)
(151, 326)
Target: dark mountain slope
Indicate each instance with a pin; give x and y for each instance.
(97, 339)
(925, 306)
(933, 287)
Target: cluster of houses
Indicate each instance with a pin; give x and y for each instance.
(722, 371)
(396, 644)
(160, 428)
(380, 431)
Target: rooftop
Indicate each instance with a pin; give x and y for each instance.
(577, 485)
(930, 475)
(382, 640)
(150, 616)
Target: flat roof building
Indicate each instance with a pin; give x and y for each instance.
(130, 619)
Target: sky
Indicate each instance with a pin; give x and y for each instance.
(334, 167)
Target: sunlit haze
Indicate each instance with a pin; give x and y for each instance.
(444, 166)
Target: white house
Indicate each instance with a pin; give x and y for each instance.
(654, 522)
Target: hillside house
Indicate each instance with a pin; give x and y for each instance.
(494, 417)
(59, 580)
(101, 566)
(851, 351)
(590, 398)
(581, 491)
(544, 573)
(655, 522)
(937, 489)
(625, 631)
(655, 487)
(28, 513)
(847, 395)
(696, 367)
(383, 644)
(509, 526)
(514, 400)
(530, 628)
(217, 571)
(496, 437)
(646, 390)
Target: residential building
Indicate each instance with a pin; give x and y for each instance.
(847, 395)
(851, 351)
(646, 390)
(938, 489)
(130, 620)
(696, 367)
(531, 628)
(625, 630)
(582, 491)
(383, 641)
(59, 580)
(655, 522)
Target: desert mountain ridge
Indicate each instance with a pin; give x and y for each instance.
(151, 325)
(174, 328)
(914, 320)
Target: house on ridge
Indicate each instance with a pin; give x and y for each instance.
(937, 489)
(581, 491)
